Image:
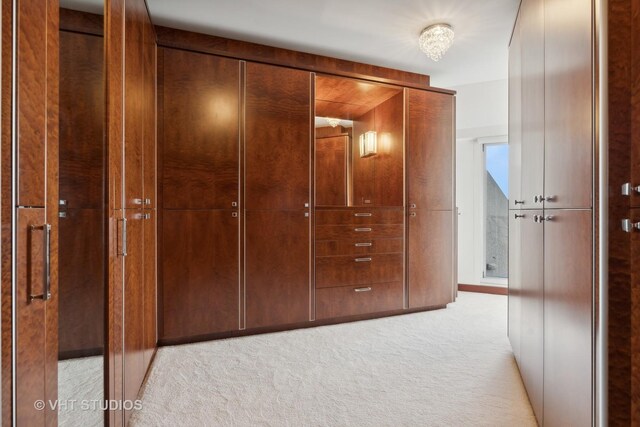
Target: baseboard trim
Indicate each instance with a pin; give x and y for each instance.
(483, 289)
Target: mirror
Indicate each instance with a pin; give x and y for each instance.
(359, 145)
(82, 226)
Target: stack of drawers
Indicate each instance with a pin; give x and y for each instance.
(359, 261)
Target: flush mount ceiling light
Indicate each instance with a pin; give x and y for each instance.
(435, 40)
(332, 122)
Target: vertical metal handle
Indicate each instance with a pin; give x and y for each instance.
(124, 237)
(46, 252)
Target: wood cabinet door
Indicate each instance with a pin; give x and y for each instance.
(200, 98)
(515, 117)
(278, 104)
(200, 272)
(516, 220)
(430, 253)
(531, 296)
(149, 134)
(430, 150)
(150, 285)
(277, 267)
(568, 104)
(531, 169)
(568, 317)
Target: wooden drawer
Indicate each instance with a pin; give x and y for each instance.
(358, 270)
(340, 232)
(359, 216)
(354, 300)
(359, 246)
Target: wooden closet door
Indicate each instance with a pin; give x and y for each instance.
(278, 103)
(150, 284)
(568, 317)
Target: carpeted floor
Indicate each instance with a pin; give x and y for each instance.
(450, 367)
(81, 387)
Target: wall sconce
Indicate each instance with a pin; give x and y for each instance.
(368, 144)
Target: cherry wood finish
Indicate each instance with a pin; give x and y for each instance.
(179, 39)
(359, 246)
(389, 161)
(363, 172)
(430, 154)
(568, 321)
(356, 300)
(532, 165)
(150, 296)
(347, 98)
(568, 104)
(82, 283)
(200, 272)
(331, 156)
(200, 116)
(328, 131)
(277, 137)
(368, 231)
(357, 270)
(483, 289)
(277, 274)
(149, 134)
(430, 272)
(359, 216)
(515, 117)
(81, 22)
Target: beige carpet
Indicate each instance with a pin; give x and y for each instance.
(450, 367)
(80, 387)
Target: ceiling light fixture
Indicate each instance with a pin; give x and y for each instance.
(435, 40)
(333, 122)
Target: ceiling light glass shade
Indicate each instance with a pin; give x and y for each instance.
(368, 144)
(333, 122)
(435, 40)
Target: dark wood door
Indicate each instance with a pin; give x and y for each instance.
(568, 317)
(200, 132)
(531, 280)
(150, 285)
(516, 220)
(200, 270)
(277, 259)
(568, 104)
(515, 117)
(331, 171)
(430, 249)
(277, 137)
(533, 108)
(430, 153)
(149, 144)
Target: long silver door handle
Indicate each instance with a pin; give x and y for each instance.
(124, 237)
(46, 293)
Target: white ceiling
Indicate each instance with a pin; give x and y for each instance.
(379, 32)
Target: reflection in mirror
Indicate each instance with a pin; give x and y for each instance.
(82, 233)
(359, 147)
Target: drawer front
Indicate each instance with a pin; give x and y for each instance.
(359, 247)
(358, 270)
(339, 232)
(354, 300)
(360, 216)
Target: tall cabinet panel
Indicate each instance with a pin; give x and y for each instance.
(430, 179)
(278, 144)
(515, 118)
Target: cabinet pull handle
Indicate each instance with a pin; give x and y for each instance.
(361, 245)
(365, 289)
(137, 201)
(363, 214)
(362, 229)
(46, 295)
(516, 216)
(520, 202)
(124, 237)
(363, 259)
(412, 214)
(234, 214)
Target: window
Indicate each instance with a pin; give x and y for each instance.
(496, 202)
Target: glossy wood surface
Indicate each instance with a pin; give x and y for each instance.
(149, 132)
(170, 37)
(331, 156)
(430, 142)
(358, 246)
(363, 169)
(430, 263)
(277, 137)
(150, 266)
(389, 160)
(200, 144)
(515, 116)
(359, 216)
(369, 231)
(200, 263)
(568, 104)
(568, 322)
(354, 300)
(357, 270)
(81, 22)
(277, 267)
(532, 165)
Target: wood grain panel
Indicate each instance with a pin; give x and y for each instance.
(515, 117)
(277, 137)
(568, 323)
(149, 144)
(82, 283)
(362, 168)
(333, 232)
(430, 142)
(81, 22)
(568, 104)
(331, 156)
(200, 263)
(346, 301)
(200, 117)
(356, 270)
(82, 116)
(150, 266)
(430, 272)
(389, 161)
(277, 280)
(358, 246)
(359, 216)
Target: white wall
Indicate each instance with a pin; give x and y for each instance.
(481, 112)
